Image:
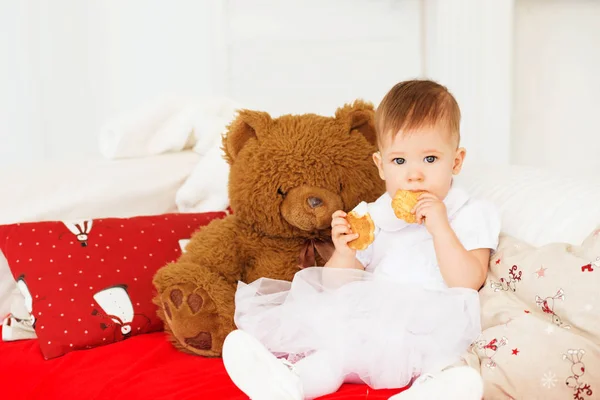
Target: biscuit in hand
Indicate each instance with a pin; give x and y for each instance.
(360, 222)
(403, 203)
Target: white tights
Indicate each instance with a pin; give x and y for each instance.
(320, 374)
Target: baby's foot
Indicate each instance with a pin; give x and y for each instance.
(459, 383)
(257, 372)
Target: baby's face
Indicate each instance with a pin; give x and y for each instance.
(421, 159)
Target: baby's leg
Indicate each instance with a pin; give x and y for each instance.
(256, 372)
(456, 382)
(260, 375)
(320, 373)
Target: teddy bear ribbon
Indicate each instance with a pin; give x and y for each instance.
(307, 253)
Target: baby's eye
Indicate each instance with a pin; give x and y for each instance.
(399, 161)
(430, 159)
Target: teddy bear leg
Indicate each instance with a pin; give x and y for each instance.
(196, 306)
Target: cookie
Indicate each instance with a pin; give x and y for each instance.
(360, 222)
(403, 203)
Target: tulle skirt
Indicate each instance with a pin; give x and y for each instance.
(383, 331)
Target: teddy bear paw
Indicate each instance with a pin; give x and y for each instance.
(193, 320)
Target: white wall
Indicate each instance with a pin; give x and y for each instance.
(69, 65)
(19, 93)
(72, 65)
(315, 55)
(76, 64)
(468, 48)
(557, 84)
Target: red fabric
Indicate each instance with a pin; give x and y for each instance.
(90, 283)
(143, 367)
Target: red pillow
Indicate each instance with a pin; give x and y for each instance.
(89, 283)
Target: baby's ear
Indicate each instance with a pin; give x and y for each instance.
(359, 116)
(248, 125)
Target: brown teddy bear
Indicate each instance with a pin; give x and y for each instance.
(287, 176)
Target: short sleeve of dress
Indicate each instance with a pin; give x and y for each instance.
(366, 256)
(477, 225)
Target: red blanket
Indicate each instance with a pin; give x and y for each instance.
(143, 367)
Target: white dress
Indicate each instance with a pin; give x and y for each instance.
(389, 323)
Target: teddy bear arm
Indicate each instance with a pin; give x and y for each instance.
(216, 247)
(196, 293)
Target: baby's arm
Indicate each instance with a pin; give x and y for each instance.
(476, 229)
(338, 260)
(459, 267)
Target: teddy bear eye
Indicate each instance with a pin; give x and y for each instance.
(281, 193)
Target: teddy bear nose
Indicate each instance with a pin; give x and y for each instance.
(315, 202)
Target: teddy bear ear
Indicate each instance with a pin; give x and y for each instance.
(248, 124)
(359, 116)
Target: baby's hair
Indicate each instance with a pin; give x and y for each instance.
(416, 104)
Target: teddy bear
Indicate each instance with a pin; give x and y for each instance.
(287, 176)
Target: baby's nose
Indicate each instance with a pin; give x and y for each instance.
(415, 175)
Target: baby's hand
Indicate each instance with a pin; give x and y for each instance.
(431, 211)
(341, 234)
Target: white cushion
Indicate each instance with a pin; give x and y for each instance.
(94, 188)
(538, 206)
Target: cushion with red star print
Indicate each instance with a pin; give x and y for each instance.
(89, 283)
(539, 320)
